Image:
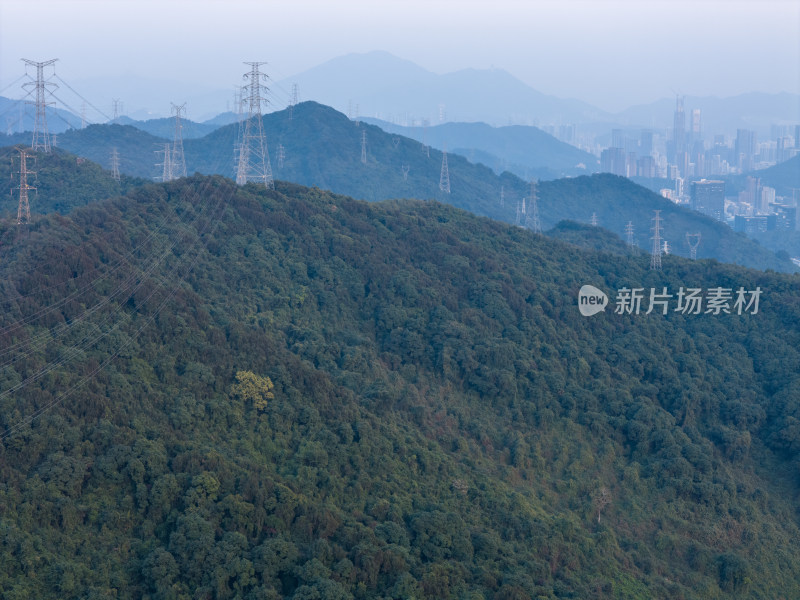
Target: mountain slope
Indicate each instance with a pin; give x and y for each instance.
(306, 396)
(137, 149)
(322, 148)
(518, 148)
(62, 181)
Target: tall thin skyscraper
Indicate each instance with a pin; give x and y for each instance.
(679, 128)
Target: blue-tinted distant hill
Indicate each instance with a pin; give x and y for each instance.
(380, 83)
(322, 148)
(525, 151)
(165, 127)
(17, 116)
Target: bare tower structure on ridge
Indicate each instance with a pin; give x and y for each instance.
(253, 163)
(293, 100)
(655, 255)
(24, 209)
(364, 147)
(115, 164)
(178, 161)
(629, 236)
(41, 138)
(166, 166)
(693, 239)
(444, 177)
(532, 220)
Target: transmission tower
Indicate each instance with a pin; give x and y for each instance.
(535, 224)
(83, 115)
(405, 169)
(364, 147)
(693, 239)
(594, 219)
(41, 138)
(24, 209)
(293, 101)
(502, 196)
(444, 177)
(116, 107)
(629, 234)
(166, 165)
(254, 164)
(115, 164)
(178, 161)
(281, 155)
(655, 256)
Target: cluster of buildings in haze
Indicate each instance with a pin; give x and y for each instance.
(694, 165)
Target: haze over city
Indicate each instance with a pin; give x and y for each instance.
(610, 54)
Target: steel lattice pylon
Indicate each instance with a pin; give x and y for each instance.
(41, 137)
(253, 163)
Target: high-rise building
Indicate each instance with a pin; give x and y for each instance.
(617, 138)
(745, 149)
(767, 197)
(612, 160)
(696, 130)
(646, 143)
(752, 193)
(708, 197)
(646, 166)
(786, 216)
(678, 130)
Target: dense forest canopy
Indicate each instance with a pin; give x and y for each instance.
(212, 391)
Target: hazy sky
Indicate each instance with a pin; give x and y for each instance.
(611, 54)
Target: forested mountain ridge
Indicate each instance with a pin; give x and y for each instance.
(293, 394)
(62, 181)
(322, 147)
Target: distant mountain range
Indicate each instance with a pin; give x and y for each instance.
(378, 84)
(382, 86)
(528, 152)
(322, 147)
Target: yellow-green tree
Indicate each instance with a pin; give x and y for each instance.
(253, 389)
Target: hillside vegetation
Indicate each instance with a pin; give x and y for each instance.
(218, 392)
(322, 148)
